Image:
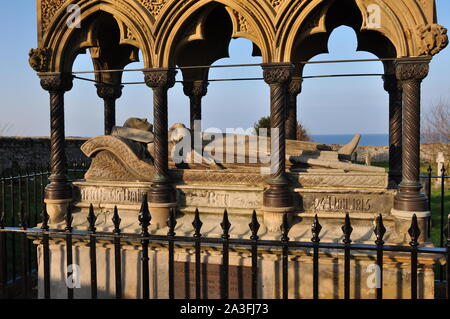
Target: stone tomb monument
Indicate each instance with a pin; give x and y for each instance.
(325, 184)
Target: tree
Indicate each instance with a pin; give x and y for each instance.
(436, 128)
(5, 128)
(264, 122)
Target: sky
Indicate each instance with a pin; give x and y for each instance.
(326, 106)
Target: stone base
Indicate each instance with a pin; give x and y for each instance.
(57, 209)
(331, 281)
(403, 221)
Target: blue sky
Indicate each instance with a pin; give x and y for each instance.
(326, 106)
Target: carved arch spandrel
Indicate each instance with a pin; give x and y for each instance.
(402, 19)
(132, 21)
(174, 18)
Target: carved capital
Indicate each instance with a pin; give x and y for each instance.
(433, 38)
(295, 86)
(39, 59)
(277, 73)
(160, 78)
(391, 84)
(109, 92)
(195, 88)
(56, 82)
(412, 69)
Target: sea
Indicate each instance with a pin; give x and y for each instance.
(366, 139)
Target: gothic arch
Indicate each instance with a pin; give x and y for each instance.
(404, 24)
(246, 24)
(61, 42)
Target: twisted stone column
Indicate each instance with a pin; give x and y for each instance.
(109, 93)
(411, 72)
(294, 89)
(394, 88)
(195, 90)
(161, 80)
(278, 76)
(58, 194)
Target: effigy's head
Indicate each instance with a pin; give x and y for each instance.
(139, 124)
(178, 132)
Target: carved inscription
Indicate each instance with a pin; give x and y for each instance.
(240, 281)
(208, 198)
(346, 203)
(112, 195)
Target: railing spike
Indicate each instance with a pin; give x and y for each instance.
(254, 226)
(22, 217)
(116, 221)
(2, 220)
(45, 217)
(316, 228)
(226, 225)
(285, 228)
(144, 217)
(347, 229)
(197, 223)
(92, 219)
(414, 231)
(69, 219)
(172, 223)
(379, 230)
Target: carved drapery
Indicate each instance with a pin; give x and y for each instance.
(411, 73)
(161, 80)
(278, 76)
(294, 89)
(56, 85)
(109, 94)
(394, 88)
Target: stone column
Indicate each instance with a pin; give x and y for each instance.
(409, 199)
(278, 198)
(195, 90)
(162, 194)
(109, 93)
(394, 88)
(294, 89)
(58, 193)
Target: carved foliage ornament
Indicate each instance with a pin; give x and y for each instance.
(39, 59)
(48, 11)
(56, 82)
(195, 88)
(433, 38)
(160, 78)
(412, 70)
(277, 73)
(154, 6)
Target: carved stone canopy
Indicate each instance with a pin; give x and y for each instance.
(278, 29)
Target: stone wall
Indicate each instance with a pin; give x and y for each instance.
(34, 151)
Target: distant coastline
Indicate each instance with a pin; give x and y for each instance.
(366, 139)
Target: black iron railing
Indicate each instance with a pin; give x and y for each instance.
(225, 242)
